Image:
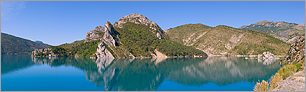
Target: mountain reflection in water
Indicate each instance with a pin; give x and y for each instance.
(146, 74)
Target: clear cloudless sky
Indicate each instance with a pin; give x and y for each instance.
(56, 23)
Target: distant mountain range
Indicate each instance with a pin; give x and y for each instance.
(15, 45)
(281, 30)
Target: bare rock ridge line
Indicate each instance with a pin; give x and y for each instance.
(282, 30)
(95, 33)
(107, 33)
(141, 19)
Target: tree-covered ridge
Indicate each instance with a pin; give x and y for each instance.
(81, 48)
(185, 31)
(75, 49)
(141, 42)
(225, 40)
(15, 45)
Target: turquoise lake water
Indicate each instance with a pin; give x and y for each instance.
(69, 74)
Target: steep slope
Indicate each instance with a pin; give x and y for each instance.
(142, 20)
(15, 45)
(131, 36)
(224, 40)
(188, 33)
(142, 37)
(282, 30)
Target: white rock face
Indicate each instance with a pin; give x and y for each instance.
(141, 19)
(158, 56)
(106, 33)
(95, 34)
(266, 57)
(110, 35)
(103, 55)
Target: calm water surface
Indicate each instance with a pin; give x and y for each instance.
(213, 73)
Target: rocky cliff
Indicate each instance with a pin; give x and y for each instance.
(95, 34)
(107, 33)
(103, 54)
(296, 52)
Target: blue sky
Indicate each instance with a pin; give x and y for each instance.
(56, 23)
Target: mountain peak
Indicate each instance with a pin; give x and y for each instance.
(223, 26)
(280, 29)
(135, 18)
(135, 15)
(263, 22)
(98, 28)
(142, 20)
(108, 25)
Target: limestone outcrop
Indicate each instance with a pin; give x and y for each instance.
(111, 36)
(103, 54)
(266, 57)
(95, 34)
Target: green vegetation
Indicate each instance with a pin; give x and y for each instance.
(135, 39)
(181, 32)
(257, 43)
(119, 52)
(81, 48)
(289, 69)
(227, 40)
(140, 41)
(16, 45)
(52, 50)
(59, 50)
